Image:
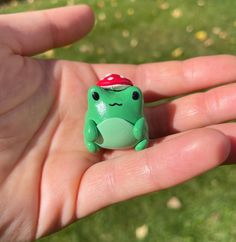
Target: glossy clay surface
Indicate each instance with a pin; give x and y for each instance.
(115, 119)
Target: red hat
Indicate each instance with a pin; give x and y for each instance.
(114, 81)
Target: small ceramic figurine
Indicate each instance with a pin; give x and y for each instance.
(115, 118)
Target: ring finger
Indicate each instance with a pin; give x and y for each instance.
(193, 111)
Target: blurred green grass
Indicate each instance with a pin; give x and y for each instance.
(137, 31)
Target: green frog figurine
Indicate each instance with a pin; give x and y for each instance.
(115, 118)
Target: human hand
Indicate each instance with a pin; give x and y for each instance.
(47, 177)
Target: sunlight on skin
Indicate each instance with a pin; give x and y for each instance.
(47, 177)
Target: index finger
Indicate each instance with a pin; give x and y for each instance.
(172, 78)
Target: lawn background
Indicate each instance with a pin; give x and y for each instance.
(138, 31)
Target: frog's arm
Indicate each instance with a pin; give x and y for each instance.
(90, 135)
(91, 131)
(139, 129)
(140, 133)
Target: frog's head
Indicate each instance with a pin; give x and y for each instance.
(124, 101)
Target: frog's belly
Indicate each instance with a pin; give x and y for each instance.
(116, 133)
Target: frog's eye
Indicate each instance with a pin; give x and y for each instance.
(95, 96)
(135, 95)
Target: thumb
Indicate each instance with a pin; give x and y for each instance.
(35, 32)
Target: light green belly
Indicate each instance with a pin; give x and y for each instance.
(116, 133)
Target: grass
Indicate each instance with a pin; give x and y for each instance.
(139, 31)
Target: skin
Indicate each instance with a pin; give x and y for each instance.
(106, 110)
(48, 179)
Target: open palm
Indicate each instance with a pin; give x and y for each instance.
(47, 177)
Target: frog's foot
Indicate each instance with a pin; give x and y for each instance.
(92, 147)
(141, 145)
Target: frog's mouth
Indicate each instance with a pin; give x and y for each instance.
(114, 104)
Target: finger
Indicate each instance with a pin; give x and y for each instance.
(194, 111)
(167, 79)
(155, 168)
(229, 129)
(34, 32)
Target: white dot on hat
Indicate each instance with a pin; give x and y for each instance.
(110, 78)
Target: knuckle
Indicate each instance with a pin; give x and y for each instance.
(150, 172)
(110, 182)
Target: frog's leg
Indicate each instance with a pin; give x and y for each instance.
(141, 145)
(90, 135)
(140, 133)
(92, 147)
